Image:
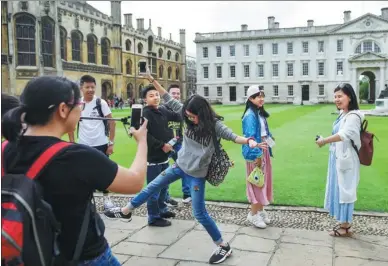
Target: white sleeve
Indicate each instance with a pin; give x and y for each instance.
(351, 128)
(105, 108)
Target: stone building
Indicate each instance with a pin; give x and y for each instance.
(294, 64)
(71, 39)
(191, 75)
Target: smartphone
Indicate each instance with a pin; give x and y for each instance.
(136, 115)
(142, 68)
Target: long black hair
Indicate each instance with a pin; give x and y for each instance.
(256, 110)
(207, 117)
(39, 101)
(348, 90)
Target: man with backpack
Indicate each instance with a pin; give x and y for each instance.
(95, 133)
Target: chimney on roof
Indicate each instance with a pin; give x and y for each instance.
(276, 25)
(149, 23)
(244, 27)
(170, 37)
(160, 32)
(310, 23)
(271, 22)
(384, 13)
(347, 16)
(128, 20)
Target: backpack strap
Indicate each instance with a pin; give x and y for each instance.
(82, 235)
(101, 114)
(45, 158)
(3, 144)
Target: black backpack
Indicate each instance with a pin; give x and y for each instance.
(29, 229)
(101, 114)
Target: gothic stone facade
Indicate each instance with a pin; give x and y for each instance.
(294, 64)
(73, 38)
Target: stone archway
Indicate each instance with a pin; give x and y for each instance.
(106, 90)
(129, 91)
(372, 85)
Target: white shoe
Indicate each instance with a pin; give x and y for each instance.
(265, 216)
(186, 200)
(256, 220)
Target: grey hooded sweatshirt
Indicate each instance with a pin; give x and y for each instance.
(195, 155)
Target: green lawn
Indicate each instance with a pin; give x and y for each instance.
(299, 166)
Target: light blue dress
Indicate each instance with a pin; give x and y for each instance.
(343, 212)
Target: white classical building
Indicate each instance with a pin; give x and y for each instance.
(293, 64)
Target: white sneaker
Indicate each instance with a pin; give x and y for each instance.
(265, 216)
(108, 204)
(256, 220)
(186, 200)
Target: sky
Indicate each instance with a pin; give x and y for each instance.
(216, 16)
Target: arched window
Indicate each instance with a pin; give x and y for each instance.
(129, 91)
(63, 38)
(48, 44)
(169, 70)
(92, 48)
(140, 90)
(76, 45)
(368, 46)
(161, 71)
(25, 40)
(128, 67)
(177, 73)
(160, 52)
(168, 55)
(177, 57)
(140, 48)
(128, 45)
(105, 48)
(150, 43)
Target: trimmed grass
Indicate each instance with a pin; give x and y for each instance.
(299, 167)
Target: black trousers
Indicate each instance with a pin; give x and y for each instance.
(103, 149)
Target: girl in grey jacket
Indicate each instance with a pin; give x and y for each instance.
(193, 162)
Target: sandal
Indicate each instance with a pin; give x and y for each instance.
(336, 232)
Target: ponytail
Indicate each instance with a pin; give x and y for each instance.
(11, 124)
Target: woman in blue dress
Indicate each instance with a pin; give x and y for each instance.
(344, 165)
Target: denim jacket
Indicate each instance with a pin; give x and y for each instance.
(251, 127)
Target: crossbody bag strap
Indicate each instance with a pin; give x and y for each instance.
(82, 235)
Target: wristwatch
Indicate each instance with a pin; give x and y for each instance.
(110, 143)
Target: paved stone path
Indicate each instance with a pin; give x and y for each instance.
(186, 243)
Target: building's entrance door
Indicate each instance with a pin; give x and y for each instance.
(232, 94)
(305, 92)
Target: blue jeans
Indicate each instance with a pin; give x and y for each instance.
(185, 181)
(197, 190)
(105, 259)
(156, 203)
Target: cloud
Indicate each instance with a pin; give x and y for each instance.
(215, 16)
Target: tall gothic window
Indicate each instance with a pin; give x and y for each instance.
(177, 73)
(25, 40)
(63, 37)
(48, 43)
(127, 45)
(169, 72)
(92, 48)
(161, 71)
(76, 44)
(128, 67)
(105, 47)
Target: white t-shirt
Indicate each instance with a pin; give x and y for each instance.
(262, 126)
(92, 132)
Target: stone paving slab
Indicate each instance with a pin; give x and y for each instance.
(161, 236)
(302, 255)
(186, 243)
(194, 246)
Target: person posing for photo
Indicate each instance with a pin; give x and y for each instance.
(254, 125)
(344, 165)
(193, 162)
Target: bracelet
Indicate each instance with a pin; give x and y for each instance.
(251, 138)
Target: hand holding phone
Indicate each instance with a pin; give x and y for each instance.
(136, 116)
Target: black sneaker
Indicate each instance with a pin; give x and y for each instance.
(171, 203)
(160, 222)
(167, 215)
(220, 254)
(115, 213)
